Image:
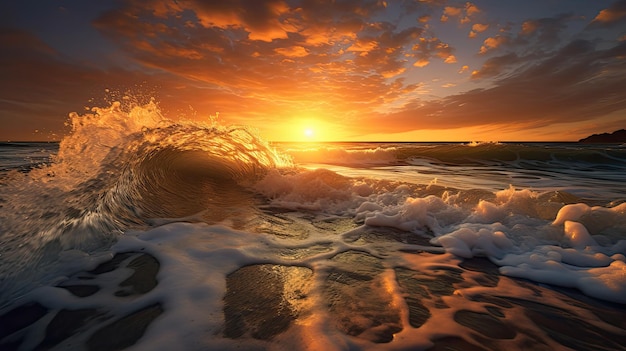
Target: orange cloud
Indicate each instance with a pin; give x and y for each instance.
(471, 9)
(450, 59)
(363, 46)
(529, 27)
(429, 47)
(293, 51)
(262, 20)
(338, 58)
(421, 63)
(613, 14)
(393, 73)
(463, 13)
(451, 11)
(263, 63)
(477, 28)
(423, 19)
(493, 43)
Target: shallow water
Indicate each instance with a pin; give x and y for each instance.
(138, 232)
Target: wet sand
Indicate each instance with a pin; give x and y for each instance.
(263, 301)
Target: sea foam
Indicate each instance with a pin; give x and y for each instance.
(508, 229)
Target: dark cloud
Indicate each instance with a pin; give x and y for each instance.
(30, 75)
(546, 31)
(533, 35)
(575, 83)
(494, 66)
(39, 87)
(536, 40)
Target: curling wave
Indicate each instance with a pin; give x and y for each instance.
(118, 169)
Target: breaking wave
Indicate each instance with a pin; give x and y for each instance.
(119, 168)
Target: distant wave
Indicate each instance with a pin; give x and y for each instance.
(456, 153)
(508, 152)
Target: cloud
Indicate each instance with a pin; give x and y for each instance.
(611, 15)
(451, 11)
(330, 57)
(363, 45)
(264, 62)
(424, 18)
(32, 74)
(471, 9)
(496, 65)
(529, 27)
(292, 51)
(463, 13)
(261, 19)
(541, 34)
(577, 82)
(450, 59)
(546, 31)
(493, 43)
(478, 28)
(427, 48)
(39, 88)
(421, 63)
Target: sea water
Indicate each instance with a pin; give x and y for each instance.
(139, 232)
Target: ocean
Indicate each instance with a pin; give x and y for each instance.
(136, 232)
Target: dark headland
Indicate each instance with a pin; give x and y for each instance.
(618, 136)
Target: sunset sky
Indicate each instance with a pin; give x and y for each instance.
(395, 70)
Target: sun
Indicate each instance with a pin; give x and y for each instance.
(304, 129)
(309, 133)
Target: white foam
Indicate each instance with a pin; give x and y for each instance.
(578, 235)
(317, 189)
(608, 283)
(468, 242)
(194, 262)
(571, 213)
(507, 230)
(412, 216)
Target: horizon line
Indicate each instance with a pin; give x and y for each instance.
(368, 141)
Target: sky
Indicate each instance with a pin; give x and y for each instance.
(322, 70)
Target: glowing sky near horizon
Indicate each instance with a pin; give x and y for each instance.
(321, 70)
